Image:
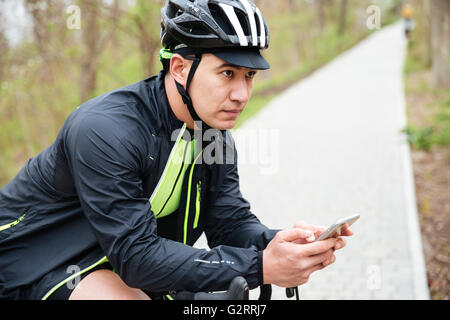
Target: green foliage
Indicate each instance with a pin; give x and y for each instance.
(413, 63)
(423, 137)
(442, 123)
(437, 132)
(419, 138)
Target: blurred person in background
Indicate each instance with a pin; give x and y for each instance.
(407, 14)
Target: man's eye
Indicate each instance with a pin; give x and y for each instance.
(251, 74)
(227, 73)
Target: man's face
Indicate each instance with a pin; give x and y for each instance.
(220, 91)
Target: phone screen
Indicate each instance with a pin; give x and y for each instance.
(336, 229)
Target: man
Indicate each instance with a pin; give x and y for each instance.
(407, 13)
(118, 200)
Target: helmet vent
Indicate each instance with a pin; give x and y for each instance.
(258, 25)
(195, 27)
(221, 18)
(244, 22)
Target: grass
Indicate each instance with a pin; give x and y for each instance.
(434, 128)
(424, 137)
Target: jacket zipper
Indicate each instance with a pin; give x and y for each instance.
(188, 200)
(197, 204)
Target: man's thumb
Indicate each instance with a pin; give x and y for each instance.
(295, 234)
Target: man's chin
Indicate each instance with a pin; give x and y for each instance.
(226, 125)
(223, 124)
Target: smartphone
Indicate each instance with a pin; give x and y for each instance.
(335, 230)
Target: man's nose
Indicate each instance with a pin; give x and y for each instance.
(240, 92)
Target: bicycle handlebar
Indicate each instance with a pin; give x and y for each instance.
(238, 290)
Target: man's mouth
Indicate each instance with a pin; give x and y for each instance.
(233, 111)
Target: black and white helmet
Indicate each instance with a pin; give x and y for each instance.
(213, 24)
(233, 30)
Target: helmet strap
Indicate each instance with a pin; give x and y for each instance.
(184, 92)
(188, 101)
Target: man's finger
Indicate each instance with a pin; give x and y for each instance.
(304, 225)
(291, 235)
(311, 261)
(340, 243)
(318, 247)
(330, 261)
(347, 232)
(317, 267)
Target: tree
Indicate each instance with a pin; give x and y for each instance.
(39, 11)
(425, 22)
(320, 5)
(146, 16)
(90, 37)
(342, 16)
(440, 37)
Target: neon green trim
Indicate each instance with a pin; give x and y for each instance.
(197, 204)
(59, 285)
(165, 199)
(12, 224)
(186, 215)
(168, 182)
(165, 54)
(169, 297)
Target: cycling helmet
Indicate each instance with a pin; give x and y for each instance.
(213, 24)
(233, 30)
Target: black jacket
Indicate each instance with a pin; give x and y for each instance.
(87, 196)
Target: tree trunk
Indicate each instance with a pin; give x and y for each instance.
(320, 13)
(115, 18)
(147, 18)
(90, 38)
(425, 16)
(440, 34)
(146, 46)
(342, 16)
(293, 6)
(40, 13)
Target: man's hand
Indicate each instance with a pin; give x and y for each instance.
(318, 230)
(289, 259)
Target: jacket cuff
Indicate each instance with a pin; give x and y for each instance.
(260, 268)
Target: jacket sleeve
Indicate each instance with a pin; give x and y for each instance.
(230, 221)
(105, 161)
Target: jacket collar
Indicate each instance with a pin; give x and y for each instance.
(168, 119)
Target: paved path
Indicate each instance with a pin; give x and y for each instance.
(331, 147)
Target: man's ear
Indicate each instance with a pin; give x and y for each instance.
(179, 68)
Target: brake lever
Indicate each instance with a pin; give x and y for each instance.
(291, 291)
(266, 292)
